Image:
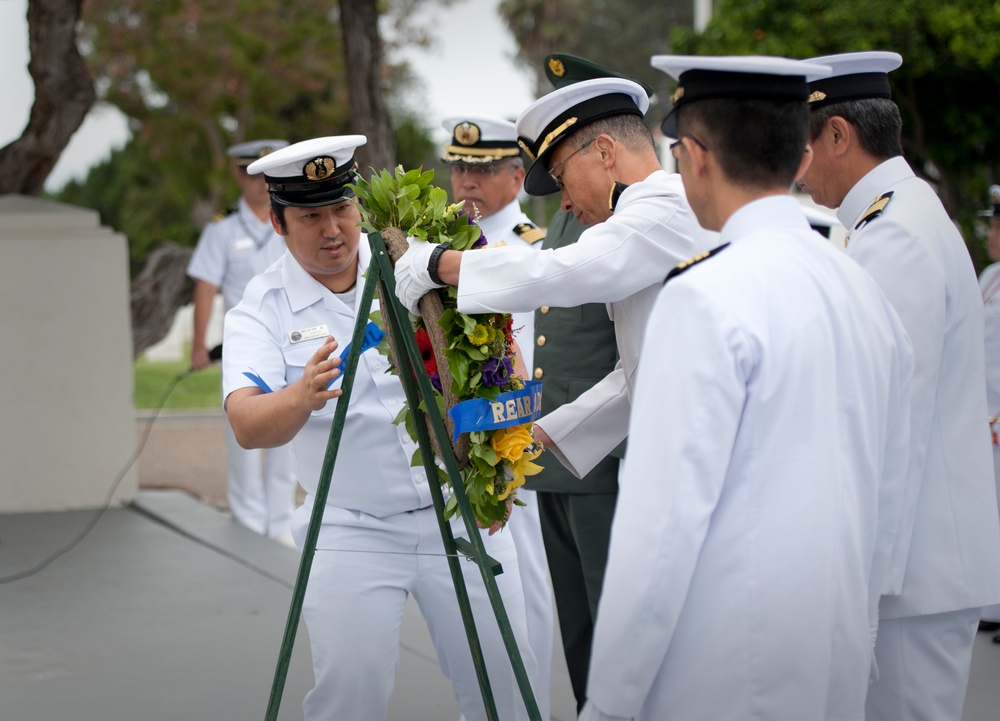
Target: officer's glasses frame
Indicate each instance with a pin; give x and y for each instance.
(554, 168)
(680, 141)
(460, 170)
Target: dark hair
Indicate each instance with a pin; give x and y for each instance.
(630, 130)
(758, 143)
(875, 120)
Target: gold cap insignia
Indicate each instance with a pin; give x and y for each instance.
(557, 67)
(816, 96)
(266, 150)
(526, 148)
(467, 133)
(319, 168)
(678, 94)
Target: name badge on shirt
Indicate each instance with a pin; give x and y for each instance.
(241, 243)
(317, 331)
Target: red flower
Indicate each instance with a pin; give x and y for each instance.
(427, 351)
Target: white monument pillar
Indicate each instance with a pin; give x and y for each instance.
(66, 418)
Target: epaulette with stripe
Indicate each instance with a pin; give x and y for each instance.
(681, 267)
(223, 213)
(529, 232)
(874, 210)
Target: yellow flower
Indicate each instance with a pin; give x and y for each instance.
(509, 443)
(480, 335)
(520, 469)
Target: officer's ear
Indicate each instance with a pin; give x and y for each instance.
(840, 135)
(607, 147)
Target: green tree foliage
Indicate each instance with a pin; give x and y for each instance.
(196, 77)
(619, 34)
(948, 89)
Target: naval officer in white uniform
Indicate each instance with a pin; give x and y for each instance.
(589, 142)
(487, 173)
(949, 549)
(768, 431)
(260, 485)
(379, 540)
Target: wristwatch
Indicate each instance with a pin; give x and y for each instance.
(434, 260)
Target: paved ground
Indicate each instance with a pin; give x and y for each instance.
(169, 611)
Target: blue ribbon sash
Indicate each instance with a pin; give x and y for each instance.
(512, 408)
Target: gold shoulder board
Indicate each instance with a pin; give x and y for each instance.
(875, 209)
(529, 232)
(681, 267)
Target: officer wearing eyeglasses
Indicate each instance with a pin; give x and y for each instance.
(487, 173)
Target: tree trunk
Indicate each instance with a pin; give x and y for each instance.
(363, 63)
(64, 92)
(160, 289)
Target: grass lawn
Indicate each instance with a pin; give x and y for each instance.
(197, 390)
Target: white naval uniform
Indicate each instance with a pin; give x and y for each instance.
(622, 262)
(949, 550)
(525, 524)
(761, 488)
(500, 231)
(260, 483)
(380, 539)
(989, 286)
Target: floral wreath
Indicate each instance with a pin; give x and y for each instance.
(479, 348)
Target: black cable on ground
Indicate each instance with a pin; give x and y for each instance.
(99, 513)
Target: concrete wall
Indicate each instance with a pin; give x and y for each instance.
(66, 418)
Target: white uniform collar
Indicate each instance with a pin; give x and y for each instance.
(502, 221)
(250, 217)
(303, 290)
(879, 178)
(774, 211)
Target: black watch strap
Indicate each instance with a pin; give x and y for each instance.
(434, 260)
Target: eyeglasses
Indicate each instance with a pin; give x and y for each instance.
(478, 171)
(565, 160)
(677, 143)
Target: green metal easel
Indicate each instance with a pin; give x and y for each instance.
(416, 385)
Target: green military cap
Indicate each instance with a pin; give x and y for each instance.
(563, 69)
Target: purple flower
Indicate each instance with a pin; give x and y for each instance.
(496, 371)
(481, 243)
(436, 382)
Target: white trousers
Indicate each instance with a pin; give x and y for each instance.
(992, 613)
(923, 667)
(362, 572)
(261, 487)
(526, 529)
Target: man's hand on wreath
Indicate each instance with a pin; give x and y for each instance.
(412, 278)
(498, 525)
